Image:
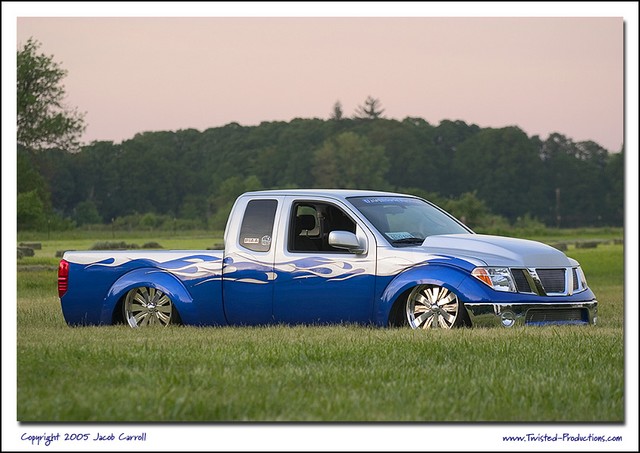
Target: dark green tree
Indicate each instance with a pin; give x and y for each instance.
(87, 213)
(410, 152)
(44, 121)
(230, 189)
(34, 196)
(469, 209)
(615, 189)
(371, 110)
(30, 177)
(336, 113)
(443, 143)
(30, 211)
(194, 176)
(503, 167)
(349, 161)
(575, 179)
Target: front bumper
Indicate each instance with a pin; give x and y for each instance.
(509, 314)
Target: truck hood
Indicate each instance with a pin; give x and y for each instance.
(496, 250)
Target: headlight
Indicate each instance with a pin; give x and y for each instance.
(499, 278)
(581, 278)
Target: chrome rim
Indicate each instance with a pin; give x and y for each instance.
(431, 307)
(147, 306)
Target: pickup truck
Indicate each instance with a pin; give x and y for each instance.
(332, 256)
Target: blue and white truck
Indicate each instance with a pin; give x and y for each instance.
(332, 256)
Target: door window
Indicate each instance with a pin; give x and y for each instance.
(311, 223)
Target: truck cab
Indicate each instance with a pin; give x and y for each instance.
(299, 271)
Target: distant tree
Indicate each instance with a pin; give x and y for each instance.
(43, 120)
(468, 208)
(30, 213)
(370, 110)
(577, 181)
(336, 113)
(615, 189)
(30, 178)
(87, 213)
(349, 161)
(195, 176)
(34, 196)
(503, 167)
(229, 190)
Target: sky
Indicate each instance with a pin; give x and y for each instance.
(565, 67)
(541, 74)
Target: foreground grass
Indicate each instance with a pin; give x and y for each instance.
(342, 373)
(330, 374)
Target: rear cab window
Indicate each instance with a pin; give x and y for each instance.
(257, 225)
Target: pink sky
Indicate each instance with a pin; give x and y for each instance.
(139, 74)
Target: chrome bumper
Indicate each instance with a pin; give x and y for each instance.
(486, 314)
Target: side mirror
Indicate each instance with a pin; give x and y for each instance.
(346, 240)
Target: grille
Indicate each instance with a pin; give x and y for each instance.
(522, 284)
(575, 278)
(562, 316)
(552, 280)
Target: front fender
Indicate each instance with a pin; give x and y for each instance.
(449, 277)
(152, 278)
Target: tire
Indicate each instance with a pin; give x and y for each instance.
(432, 306)
(144, 306)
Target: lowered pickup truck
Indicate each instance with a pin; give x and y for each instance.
(332, 256)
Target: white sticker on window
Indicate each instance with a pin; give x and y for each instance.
(395, 236)
(251, 241)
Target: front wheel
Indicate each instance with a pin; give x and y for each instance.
(145, 306)
(432, 306)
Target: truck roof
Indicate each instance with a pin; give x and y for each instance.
(341, 194)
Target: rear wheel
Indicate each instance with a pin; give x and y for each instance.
(432, 307)
(146, 306)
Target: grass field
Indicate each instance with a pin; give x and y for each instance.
(332, 374)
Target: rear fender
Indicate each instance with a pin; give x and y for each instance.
(449, 277)
(152, 278)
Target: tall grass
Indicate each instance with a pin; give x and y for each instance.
(339, 373)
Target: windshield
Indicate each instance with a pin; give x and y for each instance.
(406, 221)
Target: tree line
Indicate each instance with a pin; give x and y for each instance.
(193, 177)
(189, 179)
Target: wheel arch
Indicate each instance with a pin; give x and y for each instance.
(391, 303)
(152, 278)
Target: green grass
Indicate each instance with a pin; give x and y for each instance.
(342, 373)
(312, 373)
